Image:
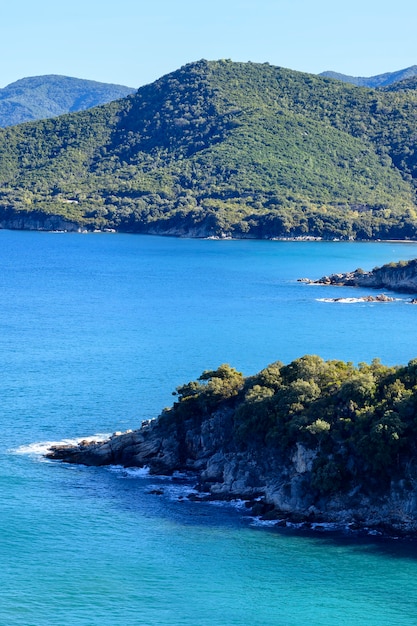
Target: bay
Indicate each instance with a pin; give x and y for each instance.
(96, 331)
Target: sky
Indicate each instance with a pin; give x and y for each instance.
(132, 42)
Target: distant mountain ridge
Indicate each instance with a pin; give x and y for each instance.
(381, 80)
(41, 97)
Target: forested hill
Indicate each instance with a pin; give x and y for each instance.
(218, 148)
(39, 97)
(381, 80)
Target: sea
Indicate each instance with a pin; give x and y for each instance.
(96, 331)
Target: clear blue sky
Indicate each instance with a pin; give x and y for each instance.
(132, 42)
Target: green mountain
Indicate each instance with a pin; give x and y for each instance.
(39, 97)
(216, 148)
(381, 80)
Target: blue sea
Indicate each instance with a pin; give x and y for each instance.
(96, 331)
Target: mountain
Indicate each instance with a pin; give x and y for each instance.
(221, 148)
(313, 441)
(403, 85)
(381, 80)
(40, 97)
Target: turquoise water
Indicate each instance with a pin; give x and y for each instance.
(96, 331)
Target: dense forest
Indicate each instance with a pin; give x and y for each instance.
(360, 420)
(223, 148)
(40, 97)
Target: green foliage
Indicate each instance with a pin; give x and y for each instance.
(361, 422)
(328, 475)
(319, 427)
(244, 149)
(197, 398)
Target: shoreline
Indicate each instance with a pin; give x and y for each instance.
(257, 505)
(75, 229)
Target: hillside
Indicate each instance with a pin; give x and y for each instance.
(312, 440)
(40, 97)
(215, 148)
(381, 80)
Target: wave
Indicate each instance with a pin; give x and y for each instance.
(355, 300)
(179, 492)
(239, 505)
(129, 472)
(257, 521)
(38, 449)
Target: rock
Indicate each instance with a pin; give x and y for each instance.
(303, 459)
(278, 486)
(401, 277)
(380, 298)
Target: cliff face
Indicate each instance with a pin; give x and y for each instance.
(278, 485)
(396, 277)
(37, 221)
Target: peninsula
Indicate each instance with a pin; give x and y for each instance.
(401, 276)
(313, 441)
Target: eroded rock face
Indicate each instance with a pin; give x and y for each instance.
(224, 471)
(39, 222)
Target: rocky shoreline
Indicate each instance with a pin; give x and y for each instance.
(275, 487)
(379, 298)
(400, 277)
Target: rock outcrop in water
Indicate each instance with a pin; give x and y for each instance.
(379, 298)
(312, 441)
(400, 276)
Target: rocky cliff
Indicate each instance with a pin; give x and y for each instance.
(277, 487)
(36, 220)
(400, 276)
(307, 480)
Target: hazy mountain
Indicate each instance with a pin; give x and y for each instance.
(40, 97)
(218, 148)
(381, 80)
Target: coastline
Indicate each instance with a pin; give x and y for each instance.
(260, 485)
(58, 224)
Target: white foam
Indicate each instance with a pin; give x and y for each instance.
(325, 526)
(257, 521)
(179, 492)
(356, 300)
(239, 505)
(40, 448)
(341, 300)
(296, 525)
(129, 472)
(182, 476)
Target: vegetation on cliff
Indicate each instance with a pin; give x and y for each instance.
(361, 421)
(220, 147)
